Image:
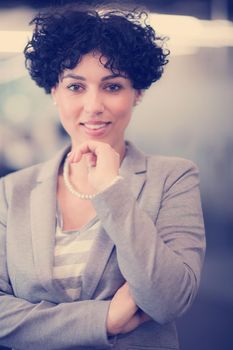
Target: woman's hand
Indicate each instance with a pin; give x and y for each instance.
(103, 162)
(123, 314)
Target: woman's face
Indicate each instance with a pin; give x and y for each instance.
(93, 103)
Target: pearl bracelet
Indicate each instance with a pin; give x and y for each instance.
(76, 193)
(116, 179)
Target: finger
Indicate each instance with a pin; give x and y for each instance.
(76, 155)
(89, 146)
(143, 316)
(91, 160)
(131, 324)
(73, 157)
(136, 320)
(95, 147)
(85, 148)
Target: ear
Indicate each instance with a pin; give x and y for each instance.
(53, 94)
(138, 96)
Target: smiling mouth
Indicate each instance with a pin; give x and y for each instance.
(95, 126)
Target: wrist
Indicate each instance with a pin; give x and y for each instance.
(109, 183)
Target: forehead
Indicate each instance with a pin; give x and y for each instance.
(91, 68)
(91, 63)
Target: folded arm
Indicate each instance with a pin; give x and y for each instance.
(161, 259)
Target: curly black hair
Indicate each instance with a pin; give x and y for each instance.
(61, 38)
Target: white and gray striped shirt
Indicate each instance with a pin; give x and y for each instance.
(71, 254)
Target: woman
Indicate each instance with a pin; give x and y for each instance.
(102, 246)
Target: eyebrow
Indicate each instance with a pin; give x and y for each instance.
(79, 77)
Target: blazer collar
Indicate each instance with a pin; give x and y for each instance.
(134, 161)
(43, 222)
(50, 168)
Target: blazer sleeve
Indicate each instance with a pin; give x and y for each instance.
(161, 257)
(45, 325)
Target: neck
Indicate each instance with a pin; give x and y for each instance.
(121, 150)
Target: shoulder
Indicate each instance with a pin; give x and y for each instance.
(158, 163)
(159, 167)
(170, 164)
(24, 180)
(172, 170)
(26, 173)
(15, 186)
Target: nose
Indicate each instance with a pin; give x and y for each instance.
(93, 103)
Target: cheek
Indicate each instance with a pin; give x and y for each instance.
(123, 117)
(65, 117)
(123, 108)
(68, 110)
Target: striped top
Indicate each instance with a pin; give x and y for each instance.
(71, 254)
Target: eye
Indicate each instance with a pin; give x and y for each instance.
(113, 87)
(75, 87)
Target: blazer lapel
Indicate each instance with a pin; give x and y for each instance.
(98, 258)
(43, 220)
(43, 209)
(133, 169)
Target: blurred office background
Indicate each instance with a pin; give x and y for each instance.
(188, 113)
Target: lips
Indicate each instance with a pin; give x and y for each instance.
(95, 125)
(95, 128)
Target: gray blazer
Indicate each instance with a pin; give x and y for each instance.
(152, 236)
